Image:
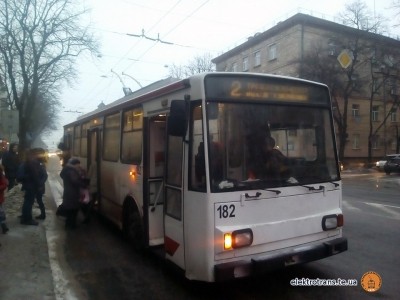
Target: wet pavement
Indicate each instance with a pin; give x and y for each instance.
(31, 257)
(25, 271)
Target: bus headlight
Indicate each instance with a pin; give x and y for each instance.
(238, 238)
(330, 222)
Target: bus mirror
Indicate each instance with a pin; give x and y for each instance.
(177, 121)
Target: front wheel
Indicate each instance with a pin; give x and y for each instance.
(133, 226)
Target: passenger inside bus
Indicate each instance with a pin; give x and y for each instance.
(200, 164)
(216, 162)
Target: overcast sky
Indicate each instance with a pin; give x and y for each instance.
(194, 27)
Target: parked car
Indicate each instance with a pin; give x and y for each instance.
(392, 165)
(381, 163)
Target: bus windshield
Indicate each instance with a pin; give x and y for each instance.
(254, 145)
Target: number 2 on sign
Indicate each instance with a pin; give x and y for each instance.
(226, 211)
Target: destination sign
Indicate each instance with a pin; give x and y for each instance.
(264, 88)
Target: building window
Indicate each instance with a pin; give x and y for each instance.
(355, 110)
(272, 52)
(234, 67)
(393, 115)
(332, 47)
(393, 145)
(257, 58)
(245, 63)
(375, 142)
(356, 141)
(375, 111)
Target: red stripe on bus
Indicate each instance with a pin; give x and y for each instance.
(170, 245)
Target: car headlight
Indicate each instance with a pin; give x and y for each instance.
(330, 222)
(238, 239)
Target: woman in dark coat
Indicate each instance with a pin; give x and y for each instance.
(73, 182)
(29, 176)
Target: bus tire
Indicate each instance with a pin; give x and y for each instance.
(133, 225)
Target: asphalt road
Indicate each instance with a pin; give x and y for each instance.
(99, 264)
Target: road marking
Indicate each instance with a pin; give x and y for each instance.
(386, 209)
(348, 206)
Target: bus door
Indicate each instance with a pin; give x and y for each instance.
(93, 163)
(174, 218)
(154, 180)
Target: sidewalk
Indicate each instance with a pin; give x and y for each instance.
(25, 271)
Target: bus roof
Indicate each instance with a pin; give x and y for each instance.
(139, 94)
(168, 85)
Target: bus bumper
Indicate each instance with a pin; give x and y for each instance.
(259, 265)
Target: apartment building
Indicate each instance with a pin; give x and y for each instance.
(283, 49)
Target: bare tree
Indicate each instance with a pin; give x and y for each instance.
(199, 64)
(345, 83)
(39, 43)
(385, 77)
(176, 71)
(396, 7)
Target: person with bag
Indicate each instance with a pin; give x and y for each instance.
(73, 183)
(3, 187)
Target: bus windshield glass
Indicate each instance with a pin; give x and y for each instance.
(260, 145)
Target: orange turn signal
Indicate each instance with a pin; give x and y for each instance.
(227, 241)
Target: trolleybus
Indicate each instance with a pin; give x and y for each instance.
(184, 167)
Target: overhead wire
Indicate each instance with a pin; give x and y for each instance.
(135, 45)
(155, 40)
(174, 28)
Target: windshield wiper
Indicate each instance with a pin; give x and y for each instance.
(311, 188)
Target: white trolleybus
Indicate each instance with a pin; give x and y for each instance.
(186, 168)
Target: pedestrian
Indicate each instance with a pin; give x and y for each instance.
(11, 163)
(29, 176)
(66, 153)
(3, 186)
(73, 183)
(40, 156)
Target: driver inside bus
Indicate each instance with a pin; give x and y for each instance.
(273, 164)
